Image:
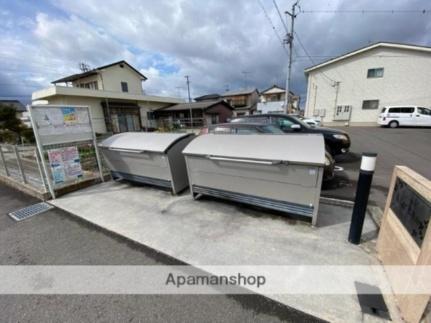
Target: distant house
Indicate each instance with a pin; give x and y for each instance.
(114, 94)
(355, 86)
(208, 97)
(204, 113)
(272, 100)
(244, 102)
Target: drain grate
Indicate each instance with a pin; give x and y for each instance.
(29, 211)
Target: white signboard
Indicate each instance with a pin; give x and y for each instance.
(60, 124)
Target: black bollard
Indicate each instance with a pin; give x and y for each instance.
(368, 165)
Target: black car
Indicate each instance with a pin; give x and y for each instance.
(240, 128)
(337, 142)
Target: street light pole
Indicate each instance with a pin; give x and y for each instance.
(190, 100)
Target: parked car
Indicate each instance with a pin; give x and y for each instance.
(337, 141)
(241, 128)
(259, 128)
(396, 116)
(311, 122)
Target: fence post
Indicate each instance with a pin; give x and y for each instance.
(4, 161)
(18, 161)
(42, 176)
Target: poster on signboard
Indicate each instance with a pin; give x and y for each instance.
(72, 162)
(69, 116)
(65, 164)
(57, 166)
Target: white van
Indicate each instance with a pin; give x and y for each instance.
(406, 115)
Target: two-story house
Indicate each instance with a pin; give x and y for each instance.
(272, 100)
(244, 102)
(114, 94)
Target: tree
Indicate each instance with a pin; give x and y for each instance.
(10, 126)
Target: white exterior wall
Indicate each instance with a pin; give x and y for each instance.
(114, 75)
(406, 80)
(270, 107)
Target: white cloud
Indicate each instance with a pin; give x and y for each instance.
(213, 41)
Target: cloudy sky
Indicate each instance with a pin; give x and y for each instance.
(219, 43)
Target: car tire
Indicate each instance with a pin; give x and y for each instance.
(393, 124)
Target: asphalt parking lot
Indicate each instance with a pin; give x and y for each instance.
(57, 238)
(401, 146)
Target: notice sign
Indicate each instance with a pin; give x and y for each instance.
(65, 164)
(69, 116)
(61, 124)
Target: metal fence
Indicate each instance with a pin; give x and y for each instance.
(88, 161)
(22, 164)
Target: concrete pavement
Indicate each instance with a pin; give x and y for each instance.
(209, 232)
(57, 238)
(401, 146)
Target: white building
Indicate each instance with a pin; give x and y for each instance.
(114, 94)
(355, 86)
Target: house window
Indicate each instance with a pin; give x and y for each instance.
(370, 104)
(375, 72)
(124, 87)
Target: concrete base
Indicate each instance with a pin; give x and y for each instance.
(25, 188)
(210, 232)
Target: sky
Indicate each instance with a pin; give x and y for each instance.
(220, 44)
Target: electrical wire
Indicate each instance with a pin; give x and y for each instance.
(370, 11)
(281, 17)
(272, 25)
(333, 82)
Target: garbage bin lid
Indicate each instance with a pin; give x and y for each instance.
(298, 149)
(144, 141)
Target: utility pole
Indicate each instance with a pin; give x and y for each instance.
(289, 41)
(190, 100)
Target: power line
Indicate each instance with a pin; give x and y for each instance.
(370, 11)
(311, 59)
(281, 17)
(272, 25)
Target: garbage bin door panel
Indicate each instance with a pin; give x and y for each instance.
(269, 171)
(279, 182)
(149, 164)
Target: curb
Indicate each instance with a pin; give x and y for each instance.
(375, 212)
(338, 202)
